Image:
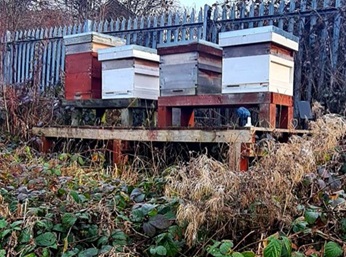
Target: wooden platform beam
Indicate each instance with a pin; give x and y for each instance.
(266, 101)
(240, 141)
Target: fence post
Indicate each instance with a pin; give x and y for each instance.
(206, 19)
(87, 26)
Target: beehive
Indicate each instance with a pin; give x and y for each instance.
(82, 69)
(190, 68)
(130, 71)
(258, 60)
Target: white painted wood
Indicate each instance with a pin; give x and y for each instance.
(128, 51)
(261, 73)
(259, 35)
(124, 77)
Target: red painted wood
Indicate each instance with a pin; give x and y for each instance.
(82, 86)
(164, 117)
(117, 147)
(187, 117)
(286, 117)
(267, 115)
(244, 160)
(82, 76)
(46, 145)
(281, 99)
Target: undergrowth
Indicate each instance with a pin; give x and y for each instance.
(290, 203)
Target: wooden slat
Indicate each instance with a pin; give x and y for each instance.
(336, 36)
(154, 39)
(312, 40)
(291, 20)
(281, 12)
(192, 20)
(190, 135)
(199, 29)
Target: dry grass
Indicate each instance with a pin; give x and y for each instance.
(212, 195)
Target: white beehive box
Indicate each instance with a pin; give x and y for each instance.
(130, 71)
(258, 60)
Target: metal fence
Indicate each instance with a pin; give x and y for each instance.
(37, 56)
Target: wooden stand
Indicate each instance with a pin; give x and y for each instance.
(267, 102)
(127, 105)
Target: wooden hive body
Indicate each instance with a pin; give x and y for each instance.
(258, 60)
(130, 71)
(190, 68)
(83, 70)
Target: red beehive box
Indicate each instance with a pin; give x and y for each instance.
(82, 68)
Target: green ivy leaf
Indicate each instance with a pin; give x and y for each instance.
(68, 219)
(149, 229)
(80, 161)
(237, 254)
(248, 254)
(273, 249)
(286, 247)
(159, 221)
(332, 249)
(159, 250)
(3, 223)
(226, 246)
(297, 254)
(25, 236)
(75, 196)
(90, 252)
(311, 216)
(103, 240)
(119, 237)
(2, 253)
(71, 253)
(46, 239)
(299, 225)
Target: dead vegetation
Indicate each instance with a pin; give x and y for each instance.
(261, 199)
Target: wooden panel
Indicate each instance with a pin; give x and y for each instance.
(111, 103)
(281, 99)
(267, 115)
(180, 135)
(186, 48)
(257, 49)
(216, 100)
(82, 86)
(165, 116)
(83, 63)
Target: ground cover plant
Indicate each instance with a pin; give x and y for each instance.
(292, 201)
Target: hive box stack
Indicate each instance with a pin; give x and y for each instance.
(130, 71)
(190, 68)
(82, 69)
(258, 60)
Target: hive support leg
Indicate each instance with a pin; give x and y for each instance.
(286, 117)
(267, 115)
(164, 119)
(126, 117)
(117, 147)
(46, 145)
(234, 155)
(244, 160)
(187, 117)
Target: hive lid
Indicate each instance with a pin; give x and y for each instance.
(193, 45)
(259, 35)
(128, 51)
(93, 37)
